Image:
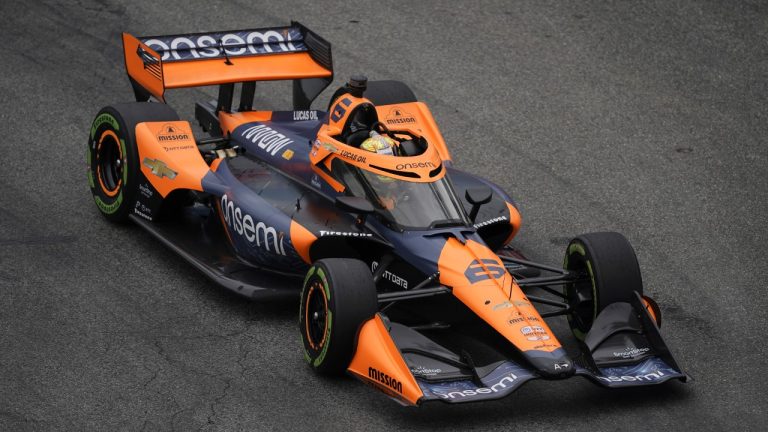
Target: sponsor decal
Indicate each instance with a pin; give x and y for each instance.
(490, 222)
(506, 381)
(344, 234)
(483, 269)
(561, 365)
(629, 353)
(351, 156)
(385, 379)
(264, 236)
(421, 371)
(171, 132)
(315, 180)
(214, 45)
(398, 116)
(414, 165)
(508, 304)
(143, 211)
(266, 138)
(146, 190)
(534, 333)
(159, 168)
(288, 154)
(388, 275)
(651, 376)
(304, 115)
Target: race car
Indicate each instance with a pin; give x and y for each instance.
(401, 261)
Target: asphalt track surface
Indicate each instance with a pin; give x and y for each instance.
(645, 118)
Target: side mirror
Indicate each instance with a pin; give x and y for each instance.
(357, 205)
(477, 197)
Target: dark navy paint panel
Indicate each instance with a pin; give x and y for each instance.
(653, 370)
(260, 232)
(502, 381)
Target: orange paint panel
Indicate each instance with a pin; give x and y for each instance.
(169, 157)
(379, 362)
(302, 239)
(480, 281)
(151, 78)
(326, 146)
(257, 68)
(515, 220)
(414, 117)
(215, 164)
(230, 121)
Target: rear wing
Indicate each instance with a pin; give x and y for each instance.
(157, 63)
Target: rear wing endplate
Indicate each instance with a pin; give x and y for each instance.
(157, 63)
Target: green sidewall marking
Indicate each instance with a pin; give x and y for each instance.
(90, 180)
(309, 274)
(125, 162)
(101, 119)
(321, 273)
(321, 357)
(109, 208)
(579, 248)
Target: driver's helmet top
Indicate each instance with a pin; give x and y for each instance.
(380, 144)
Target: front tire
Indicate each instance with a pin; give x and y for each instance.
(613, 275)
(113, 155)
(338, 296)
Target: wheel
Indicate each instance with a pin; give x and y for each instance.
(113, 158)
(613, 273)
(338, 296)
(388, 92)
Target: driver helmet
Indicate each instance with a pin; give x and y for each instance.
(380, 144)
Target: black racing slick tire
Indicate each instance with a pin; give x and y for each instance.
(112, 155)
(612, 274)
(388, 92)
(338, 296)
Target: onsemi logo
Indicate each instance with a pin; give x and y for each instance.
(415, 165)
(266, 138)
(385, 379)
(264, 236)
(652, 376)
(483, 269)
(499, 386)
(220, 44)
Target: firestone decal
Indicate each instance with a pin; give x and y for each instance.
(490, 222)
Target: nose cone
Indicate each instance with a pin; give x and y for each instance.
(552, 365)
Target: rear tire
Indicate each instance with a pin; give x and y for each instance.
(113, 158)
(611, 265)
(338, 296)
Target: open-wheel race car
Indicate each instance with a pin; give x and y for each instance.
(402, 261)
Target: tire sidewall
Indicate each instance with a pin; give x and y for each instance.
(118, 206)
(350, 299)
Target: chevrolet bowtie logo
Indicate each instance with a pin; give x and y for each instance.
(159, 168)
